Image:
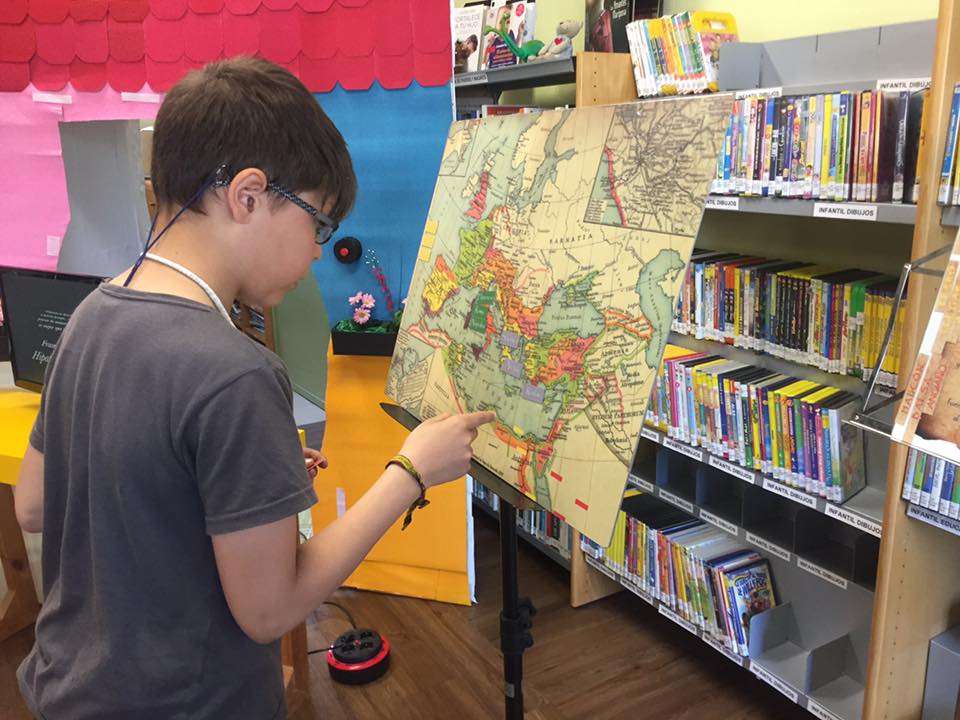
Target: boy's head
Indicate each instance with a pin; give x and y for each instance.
(259, 121)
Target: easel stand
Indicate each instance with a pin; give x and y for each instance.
(517, 613)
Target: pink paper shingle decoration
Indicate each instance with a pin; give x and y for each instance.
(121, 42)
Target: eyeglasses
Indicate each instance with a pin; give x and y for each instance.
(325, 226)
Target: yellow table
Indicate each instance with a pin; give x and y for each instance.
(19, 607)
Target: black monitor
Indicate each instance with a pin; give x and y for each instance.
(36, 305)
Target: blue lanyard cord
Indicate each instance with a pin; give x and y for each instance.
(153, 224)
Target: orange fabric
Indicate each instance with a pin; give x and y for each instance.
(429, 558)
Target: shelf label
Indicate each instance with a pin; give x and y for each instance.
(684, 449)
(897, 84)
(790, 493)
(935, 519)
(678, 501)
(639, 592)
(642, 484)
(854, 519)
(719, 522)
(475, 78)
(774, 92)
(845, 211)
(722, 202)
(769, 547)
(721, 648)
(775, 682)
(819, 711)
(685, 624)
(651, 435)
(821, 573)
(732, 469)
(603, 568)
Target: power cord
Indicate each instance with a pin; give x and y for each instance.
(353, 624)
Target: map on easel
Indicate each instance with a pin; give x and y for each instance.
(545, 285)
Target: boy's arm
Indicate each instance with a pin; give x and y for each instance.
(28, 493)
(272, 584)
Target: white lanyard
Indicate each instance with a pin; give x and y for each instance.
(196, 278)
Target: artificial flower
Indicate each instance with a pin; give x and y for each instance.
(368, 301)
(361, 316)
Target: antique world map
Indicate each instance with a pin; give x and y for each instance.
(545, 285)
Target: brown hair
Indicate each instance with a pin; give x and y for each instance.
(248, 112)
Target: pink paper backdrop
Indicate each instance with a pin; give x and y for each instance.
(34, 211)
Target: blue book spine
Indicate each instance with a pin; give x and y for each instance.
(949, 151)
(946, 492)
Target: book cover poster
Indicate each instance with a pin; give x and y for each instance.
(545, 284)
(929, 414)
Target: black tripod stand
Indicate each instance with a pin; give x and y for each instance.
(517, 613)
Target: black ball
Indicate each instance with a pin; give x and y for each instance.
(347, 250)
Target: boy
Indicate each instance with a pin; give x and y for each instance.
(164, 467)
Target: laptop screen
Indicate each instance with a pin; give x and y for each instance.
(36, 306)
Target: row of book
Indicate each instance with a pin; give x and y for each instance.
(836, 146)
(788, 428)
(949, 190)
(475, 49)
(834, 319)
(679, 54)
(932, 483)
(545, 527)
(702, 573)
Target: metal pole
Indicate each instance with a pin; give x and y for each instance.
(510, 616)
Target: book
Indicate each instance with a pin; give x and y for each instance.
(468, 25)
(945, 193)
(674, 54)
(752, 593)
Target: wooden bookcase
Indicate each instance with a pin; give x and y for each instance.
(246, 322)
(917, 590)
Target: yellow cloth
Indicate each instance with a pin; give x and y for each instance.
(18, 410)
(429, 558)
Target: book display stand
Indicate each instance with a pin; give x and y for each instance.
(516, 614)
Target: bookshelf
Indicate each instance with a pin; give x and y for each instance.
(548, 550)
(857, 648)
(255, 323)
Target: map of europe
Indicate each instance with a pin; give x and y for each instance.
(545, 284)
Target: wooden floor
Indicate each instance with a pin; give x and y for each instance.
(616, 658)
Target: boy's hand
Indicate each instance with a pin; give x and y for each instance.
(440, 448)
(314, 460)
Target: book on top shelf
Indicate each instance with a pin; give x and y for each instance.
(468, 25)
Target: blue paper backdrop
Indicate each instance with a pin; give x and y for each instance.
(396, 138)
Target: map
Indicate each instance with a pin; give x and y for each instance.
(545, 285)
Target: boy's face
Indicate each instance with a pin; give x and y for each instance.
(281, 246)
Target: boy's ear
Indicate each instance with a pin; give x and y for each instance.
(245, 192)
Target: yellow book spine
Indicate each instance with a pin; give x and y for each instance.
(825, 155)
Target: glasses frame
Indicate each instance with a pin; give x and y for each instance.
(326, 227)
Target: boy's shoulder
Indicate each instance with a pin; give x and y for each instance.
(183, 339)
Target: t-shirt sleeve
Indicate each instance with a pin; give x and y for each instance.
(36, 434)
(248, 460)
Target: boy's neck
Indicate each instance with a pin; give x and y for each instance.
(187, 245)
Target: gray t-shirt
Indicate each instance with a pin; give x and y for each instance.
(160, 425)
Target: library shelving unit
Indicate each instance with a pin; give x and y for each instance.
(255, 322)
(862, 586)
